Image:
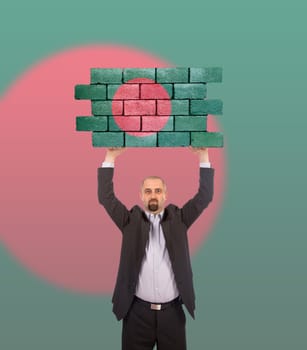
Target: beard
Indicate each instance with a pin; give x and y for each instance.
(153, 205)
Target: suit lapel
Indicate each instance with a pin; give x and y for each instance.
(144, 234)
(166, 227)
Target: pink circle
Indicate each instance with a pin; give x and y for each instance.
(50, 217)
(146, 107)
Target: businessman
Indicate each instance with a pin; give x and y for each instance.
(154, 277)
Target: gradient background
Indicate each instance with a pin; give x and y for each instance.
(250, 275)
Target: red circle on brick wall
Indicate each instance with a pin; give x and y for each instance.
(146, 107)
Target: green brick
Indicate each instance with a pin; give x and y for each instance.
(180, 107)
(102, 108)
(133, 73)
(90, 92)
(108, 139)
(190, 123)
(111, 89)
(173, 139)
(105, 107)
(201, 107)
(112, 124)
(106, 75)
(91, 123)
(169, 89)
(192, 91)
(145, 141)
(169, 125)
(172, 75)
(206, 75)
(207, 139)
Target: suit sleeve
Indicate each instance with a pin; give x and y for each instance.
(114, 207)
(195, 206)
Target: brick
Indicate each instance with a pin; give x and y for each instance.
(111, 90)
(153, 123)
(201, 107)
(169, 89)
(172, 75)
(154, 91)
(131, 123)
(207, 139)
(132, 73)
(164, 107)
(190, 123)
(112, 124)
(206, 75)
(145, 141)
(140, 107)
(169, 126)
(180, 107)
(173, 139)
(108, 139)
(107, 107)
(91, 123)
(127, 92)
(190, 91)
(106, 75)
(90, 92)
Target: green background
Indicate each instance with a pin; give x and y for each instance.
(251, 274)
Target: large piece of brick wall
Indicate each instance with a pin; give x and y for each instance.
(150, 107)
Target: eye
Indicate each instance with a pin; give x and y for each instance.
(158, 190)
(147, 191)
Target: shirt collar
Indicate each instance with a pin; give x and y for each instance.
(159, 214)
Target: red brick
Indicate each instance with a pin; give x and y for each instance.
(127, 92)
(117, 107)
(154, 91)
(131, 123)
(153, 123)
(140, 107)
(164, 107)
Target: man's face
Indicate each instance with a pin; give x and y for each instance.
(153, 195)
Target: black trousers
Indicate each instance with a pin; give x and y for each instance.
(144, 327)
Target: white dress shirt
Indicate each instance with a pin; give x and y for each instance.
(156, 282)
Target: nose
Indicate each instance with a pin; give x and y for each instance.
(153, 195)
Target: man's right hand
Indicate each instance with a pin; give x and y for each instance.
(113, 153)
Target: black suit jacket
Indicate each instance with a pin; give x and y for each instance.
(134, 226)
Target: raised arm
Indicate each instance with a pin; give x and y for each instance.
(114, 207)
(194, 207)
(113, 153)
